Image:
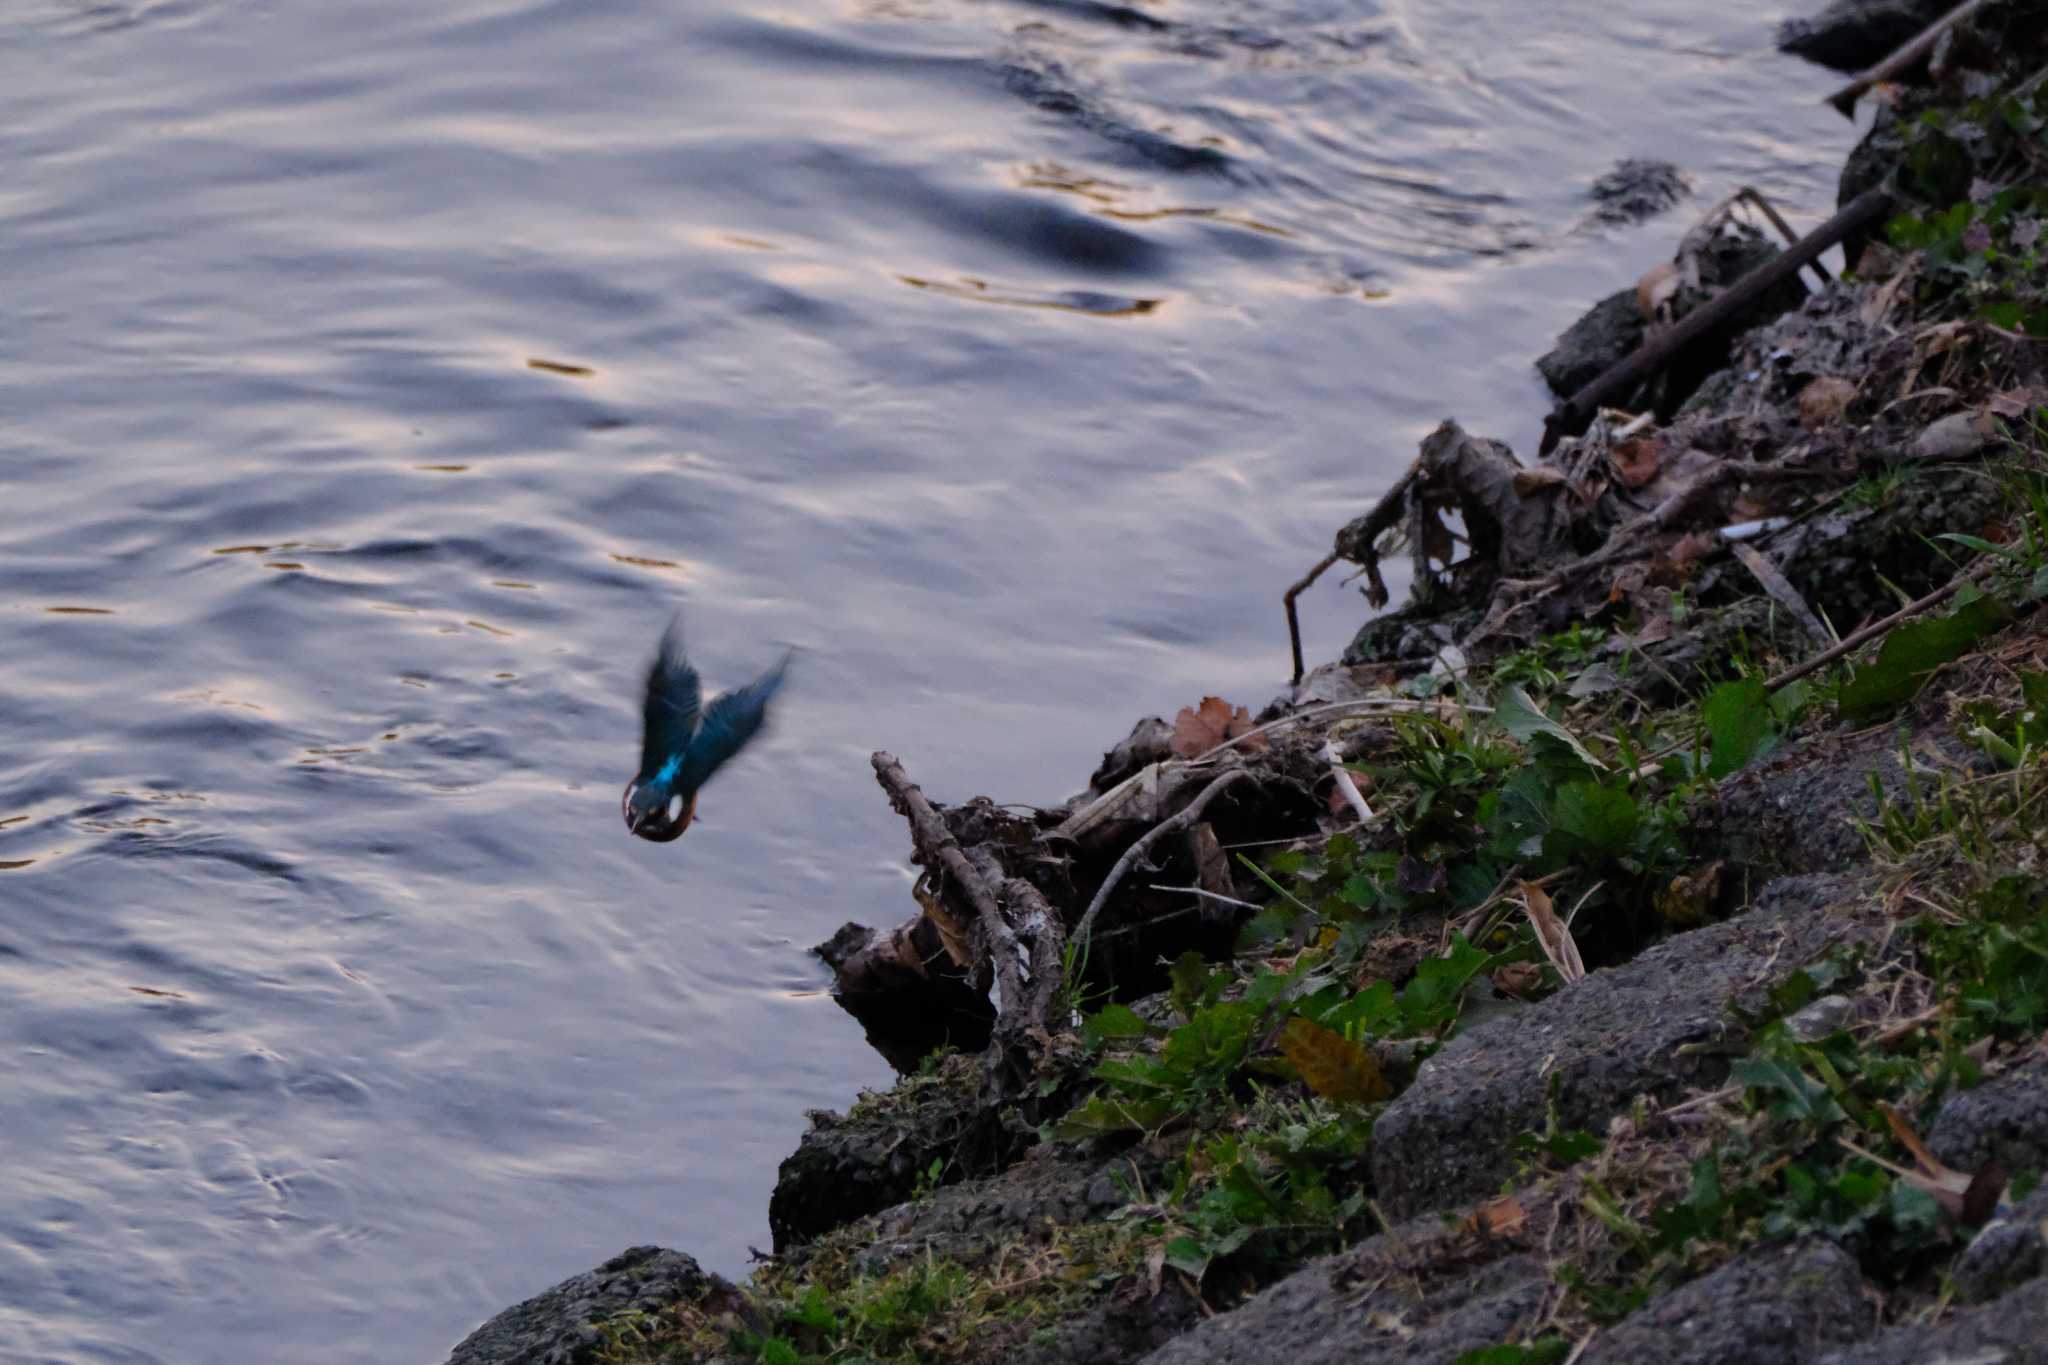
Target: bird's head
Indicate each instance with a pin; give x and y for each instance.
(653, 811)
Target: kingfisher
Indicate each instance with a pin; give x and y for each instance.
(683, 742)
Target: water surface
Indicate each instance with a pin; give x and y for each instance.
(1007, 356)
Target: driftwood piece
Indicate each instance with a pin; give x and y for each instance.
(903, 987)
(1782, 592)
(1187, 817)
(1571, 416)
(1857, 639)
(1015, 933)
(1356, 541)
(1909, 54)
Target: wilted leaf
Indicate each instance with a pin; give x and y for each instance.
(1638, 461)
(1332, 1065)
(1552, 934)
(1420, 878)
(951, 934)
(1823, 402)
(1691, 548)
(2017, 403)
(1657, 287)
(1197, 730)
(1914, 651)
(1688, 899)
(1519, 979)
(1502, 1217)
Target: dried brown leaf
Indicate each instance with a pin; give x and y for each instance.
(1502, 1217)
(1332, 1065)
(1657, 287)
(1197, 730)
(1538, 478)
(1552, 934)
(1636, 462)
(1688, 899)
(1522, 980)
(1823, 402)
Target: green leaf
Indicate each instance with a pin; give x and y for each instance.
(1114, 1021)
(1103, 1115)
(1911, 653)
(1194, 983)
(1738, 722)
(1592, 822)
(1186, 1255)
(1523, 719)
(1914, 1212)
(1792, 1093)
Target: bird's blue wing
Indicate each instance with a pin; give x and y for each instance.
(730, 721)
(674, 699)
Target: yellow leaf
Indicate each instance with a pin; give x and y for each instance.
(1332, 1065)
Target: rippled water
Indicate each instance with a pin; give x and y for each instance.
(1008, 357)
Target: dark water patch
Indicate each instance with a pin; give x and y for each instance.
(1095, 11)
(1049, 87)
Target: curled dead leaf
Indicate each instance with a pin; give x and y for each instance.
(1657, 287)
(1197, 730)
(1522, 980)
(1332, 1065)
(1638, 461)
(1823, 402)
(950, 932)
(1538, 478)
(1553, 935)
(1502, 1217)
(1689, 898)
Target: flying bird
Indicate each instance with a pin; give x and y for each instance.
(683, 741)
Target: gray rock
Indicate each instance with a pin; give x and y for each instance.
(1954, 437)
(1776, 1306)
(1798, 811)
(2005, 1119)
(849, 1165)
(1610, 330)
(560, 1326)
(1849, 35)
(1636, 189)
(1656, 1025)
(2006, 1252)
(2011, 1331)
(1412, 1297)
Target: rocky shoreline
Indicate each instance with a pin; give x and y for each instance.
(1635, 946)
